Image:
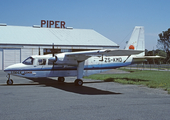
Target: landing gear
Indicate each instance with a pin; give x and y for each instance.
(9, 81)
(80, 69)
(78, 82)
(61, 79)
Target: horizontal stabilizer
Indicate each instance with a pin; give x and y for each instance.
(149, 57)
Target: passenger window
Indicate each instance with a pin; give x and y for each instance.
(41, 61)
(51, 63)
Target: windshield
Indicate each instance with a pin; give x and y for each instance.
(28, 61)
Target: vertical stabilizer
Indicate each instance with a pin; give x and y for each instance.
(137, 40)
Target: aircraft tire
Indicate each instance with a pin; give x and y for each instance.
(61, 79)
(9, 82)
(78, 82)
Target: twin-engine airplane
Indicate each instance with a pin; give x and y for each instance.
(74, 63)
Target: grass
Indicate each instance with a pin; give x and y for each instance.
(152, 79)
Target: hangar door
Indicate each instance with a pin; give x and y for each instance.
(27, 52)
(11, 56)
(1, 59)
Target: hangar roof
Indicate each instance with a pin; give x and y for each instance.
(47, 36)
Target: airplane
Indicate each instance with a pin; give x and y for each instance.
(75, 63)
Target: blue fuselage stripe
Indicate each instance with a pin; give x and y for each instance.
(86, 67)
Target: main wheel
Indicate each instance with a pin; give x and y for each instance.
(78, 82)
(9, 82)
(61, 79)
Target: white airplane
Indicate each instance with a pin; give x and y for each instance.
(74, 63)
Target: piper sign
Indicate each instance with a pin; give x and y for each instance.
(57, 24)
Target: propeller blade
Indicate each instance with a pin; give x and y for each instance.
(39, 51)
(53, 53)
(53, 50)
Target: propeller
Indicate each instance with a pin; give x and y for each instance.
(53, 53)
(53, 49)
(39, 53)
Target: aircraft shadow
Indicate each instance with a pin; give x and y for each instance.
(70, 87)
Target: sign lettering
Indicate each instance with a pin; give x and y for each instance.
(57, 24)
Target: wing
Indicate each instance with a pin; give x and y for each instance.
(72, 58)
(109, 52)
(83, 55)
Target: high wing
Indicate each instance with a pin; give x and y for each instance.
(108, 52)
(83, 55)
(71, 58)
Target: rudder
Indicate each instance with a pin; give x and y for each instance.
(137, 40)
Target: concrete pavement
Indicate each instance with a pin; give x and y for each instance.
(47, 99)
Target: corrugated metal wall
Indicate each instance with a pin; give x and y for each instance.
(26, 52)
(11, 56)
(1, 59)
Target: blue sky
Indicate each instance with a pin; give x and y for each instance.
(115, 19)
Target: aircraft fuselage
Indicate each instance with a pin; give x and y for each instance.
(42, 67)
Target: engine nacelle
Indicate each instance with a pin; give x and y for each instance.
(62, 59)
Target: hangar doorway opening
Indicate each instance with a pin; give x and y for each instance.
(9, 57)
(1, 59)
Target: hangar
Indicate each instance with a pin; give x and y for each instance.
(19, 42)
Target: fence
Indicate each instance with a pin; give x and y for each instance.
(159, 67)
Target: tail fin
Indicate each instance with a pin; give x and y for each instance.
(137, 40)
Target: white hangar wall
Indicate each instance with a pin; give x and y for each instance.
(11, 56)
(1, 59)
(19, 42)
(8, 57)
(26, 52)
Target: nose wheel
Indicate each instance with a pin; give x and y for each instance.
(9, 81)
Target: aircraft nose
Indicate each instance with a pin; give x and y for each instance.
(12, 67)
(8, 68)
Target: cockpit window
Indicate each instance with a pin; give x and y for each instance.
(42, 61)
(28, 61)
